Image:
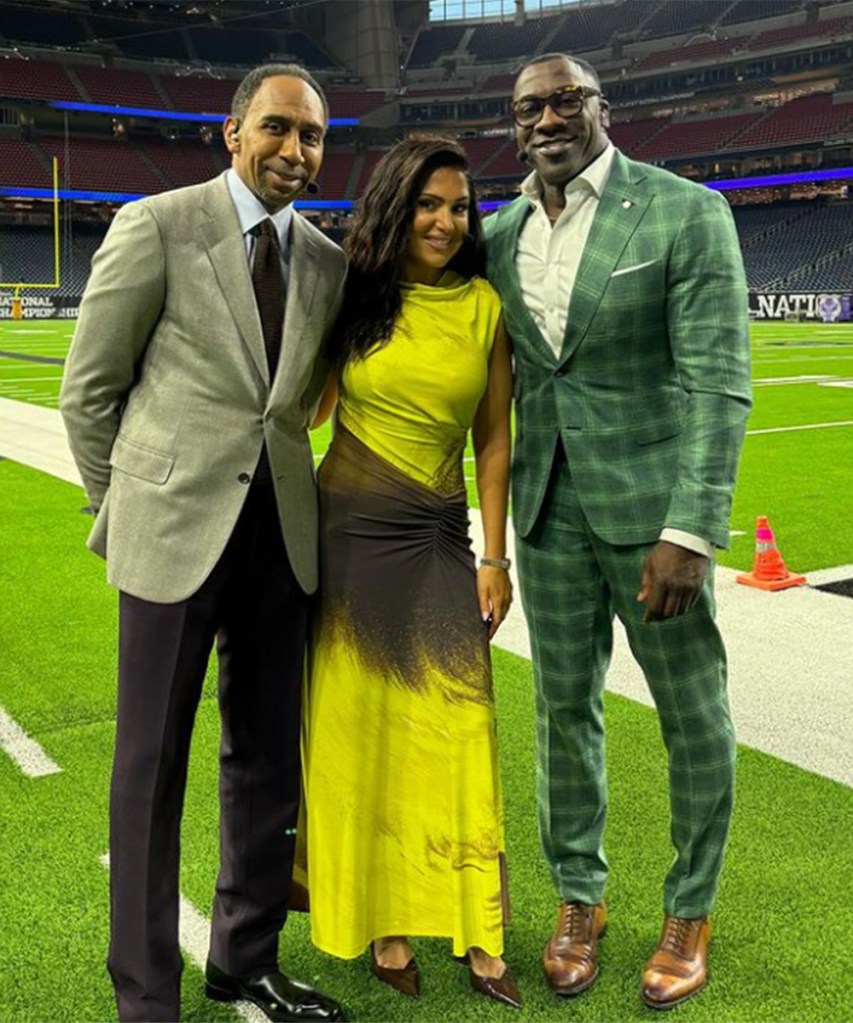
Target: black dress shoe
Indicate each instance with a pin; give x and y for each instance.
(283, 1000)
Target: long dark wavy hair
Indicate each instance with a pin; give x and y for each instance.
(377, 242)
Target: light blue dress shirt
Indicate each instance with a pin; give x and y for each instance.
(250, 213)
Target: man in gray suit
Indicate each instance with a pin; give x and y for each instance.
(188, 391)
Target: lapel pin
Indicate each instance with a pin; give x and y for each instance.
(626, 204)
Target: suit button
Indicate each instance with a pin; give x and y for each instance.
(244, 477)
(560, 372)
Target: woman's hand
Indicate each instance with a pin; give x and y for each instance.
(494, 589)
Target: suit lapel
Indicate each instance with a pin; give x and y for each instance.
(502, 252)
(227, 252)
(622, 207)
(303, 269)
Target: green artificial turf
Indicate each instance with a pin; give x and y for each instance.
(782, 927)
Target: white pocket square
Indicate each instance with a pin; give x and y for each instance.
(632, 269)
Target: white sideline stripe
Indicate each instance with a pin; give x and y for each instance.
(830, 575)
(26, 752)
(194, 935)
(805, 426)
(789, 665)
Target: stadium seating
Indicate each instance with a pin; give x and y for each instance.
(809, 118)
(435, 42)
(822, 234)
(351, 103)
(678, 17)
(686, 55)
(113, 165)
(755, 222)
(184, 161)
(828, 29)
(629, 136)
(503, 84)
(371, 158)
(754, 10)
(35, 79)
(500, 40)
(696, 137)
(27, 254)
(199, 95)
(505, 165)
(481, 152)
(334, 174)
(592, 27)
(835, 273)
(23, 163)
(113, 86)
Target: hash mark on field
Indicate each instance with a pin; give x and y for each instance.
(194, 936)
(26, 752)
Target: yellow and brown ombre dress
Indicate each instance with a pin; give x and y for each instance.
(404, 820)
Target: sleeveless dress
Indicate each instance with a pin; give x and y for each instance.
(403, 806)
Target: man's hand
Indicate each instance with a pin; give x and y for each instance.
(671, 581)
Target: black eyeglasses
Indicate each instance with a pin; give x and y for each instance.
(565, 102)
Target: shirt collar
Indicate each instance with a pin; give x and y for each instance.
(593, 177)
(251, 211)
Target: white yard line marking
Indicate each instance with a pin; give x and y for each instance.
(760, 360)
(194, 936)
(26, 752)
(804, 426)
(10, 378)
(777, 381)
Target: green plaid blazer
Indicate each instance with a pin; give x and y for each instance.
(651, 391)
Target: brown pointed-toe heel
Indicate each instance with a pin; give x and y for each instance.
(406, 979)
(501, 989)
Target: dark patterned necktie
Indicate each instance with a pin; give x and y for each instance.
(269, 289)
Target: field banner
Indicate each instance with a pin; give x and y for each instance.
(827, 306)
(42, 307)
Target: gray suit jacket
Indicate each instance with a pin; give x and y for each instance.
(167, 398)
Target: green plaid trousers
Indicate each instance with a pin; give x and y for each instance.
(572, 583)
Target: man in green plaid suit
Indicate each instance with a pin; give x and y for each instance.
(624, 293)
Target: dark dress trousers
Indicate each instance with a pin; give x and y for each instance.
(196, 458)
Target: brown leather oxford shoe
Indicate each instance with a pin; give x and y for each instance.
(571, 956)
(678, 969)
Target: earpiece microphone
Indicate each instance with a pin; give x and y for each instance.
(311, 188)
(522, 156)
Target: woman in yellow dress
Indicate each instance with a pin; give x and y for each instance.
(404, 817)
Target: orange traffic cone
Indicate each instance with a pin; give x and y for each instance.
(769, 571)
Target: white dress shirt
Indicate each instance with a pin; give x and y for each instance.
(251, 211)
(547, 260)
